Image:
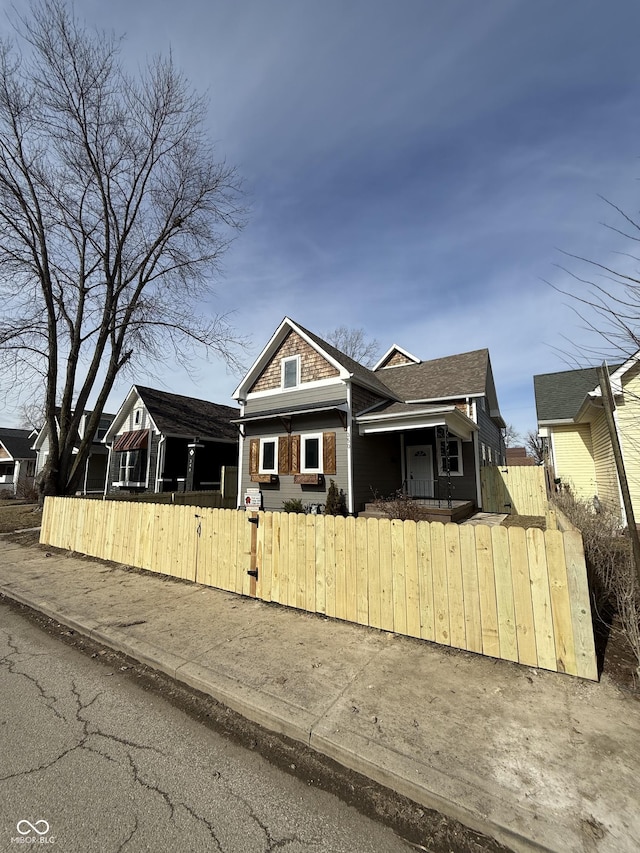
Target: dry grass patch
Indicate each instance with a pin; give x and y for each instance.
(18, 516)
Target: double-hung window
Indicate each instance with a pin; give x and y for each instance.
(291, 371)
(133, 467)
(311, 454)
(268, 456)
(450, 457)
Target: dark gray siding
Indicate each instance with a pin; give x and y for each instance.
(489, 434)
(377, 466)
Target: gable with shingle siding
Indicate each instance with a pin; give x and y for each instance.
(313, 366)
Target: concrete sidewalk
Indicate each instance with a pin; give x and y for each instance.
(536, 759)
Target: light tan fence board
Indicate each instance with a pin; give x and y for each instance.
(398, 578)
(440, 584)
(457, 629)
(386, 576)
(373, 572)
(560, 605)
(504, 594)
(580, 610)
(411, 580)
(541, 599)
(487, 588)
(362, 576)
(525, 627)
(471, 592)
(425, 580)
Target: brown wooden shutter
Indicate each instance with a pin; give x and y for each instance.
(254, 456)
(284, 463)
(329, 452)
(295, 454)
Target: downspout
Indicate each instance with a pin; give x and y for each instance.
(160, 461)
(86, 475)
(239, 502)
(349, 452)
(476, 454)
(106, 479)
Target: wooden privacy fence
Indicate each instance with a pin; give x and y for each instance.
(518, 490)
(504, 592)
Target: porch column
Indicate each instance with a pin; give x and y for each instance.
(403, 461)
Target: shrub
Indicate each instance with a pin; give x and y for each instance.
(336, 501)
(399, 505)
(293, 505)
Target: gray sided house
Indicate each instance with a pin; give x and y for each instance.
(310, 414)
(17, 460)
(95, 469)
(161, 442)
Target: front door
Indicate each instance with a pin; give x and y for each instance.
(420, 471)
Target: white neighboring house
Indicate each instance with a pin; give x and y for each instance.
(95, 469)
(17, 460)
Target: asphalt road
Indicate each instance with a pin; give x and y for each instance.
(91, 761)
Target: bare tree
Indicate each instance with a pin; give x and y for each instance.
(511, 436)
(355, 344)
(114, 214)
(606, 297)
(535, 446)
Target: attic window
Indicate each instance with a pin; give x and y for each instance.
(291, 371)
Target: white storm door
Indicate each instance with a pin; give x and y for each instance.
(420, 471)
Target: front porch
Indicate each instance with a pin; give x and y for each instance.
(455, 511)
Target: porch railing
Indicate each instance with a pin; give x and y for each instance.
(432, 490)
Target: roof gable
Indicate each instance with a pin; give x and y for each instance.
(394, 357)
(17, 442)
(343, 366)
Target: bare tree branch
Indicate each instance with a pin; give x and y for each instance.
(114, 215)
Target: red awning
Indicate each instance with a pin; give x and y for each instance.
(135, 440)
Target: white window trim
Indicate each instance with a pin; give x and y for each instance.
(441, 471)
(267, 440)
(303, 440)
(296, 359)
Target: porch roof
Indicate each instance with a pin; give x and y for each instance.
(303, 409)
(396, 417)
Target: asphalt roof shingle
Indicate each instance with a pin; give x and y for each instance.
(440, 378)
(174, 414)
(560, 395)
(18, 442)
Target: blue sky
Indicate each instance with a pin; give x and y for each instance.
(412, 167)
